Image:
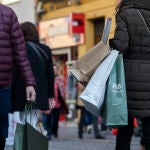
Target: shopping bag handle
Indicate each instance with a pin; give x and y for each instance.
(29, 108)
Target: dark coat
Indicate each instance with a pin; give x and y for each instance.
(44, 80)
(12, 48)
(133, 40)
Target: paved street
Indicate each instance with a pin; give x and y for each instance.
(68, 141)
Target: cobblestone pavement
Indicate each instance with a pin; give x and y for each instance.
(68, 141)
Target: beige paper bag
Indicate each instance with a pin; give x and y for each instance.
(84, 68)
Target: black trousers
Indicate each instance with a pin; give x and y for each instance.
(55, 121)
(51, 122)
(2, 144)
(125, 134)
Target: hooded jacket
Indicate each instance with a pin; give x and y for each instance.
(133, 40)
(141, 4)
(12, 49)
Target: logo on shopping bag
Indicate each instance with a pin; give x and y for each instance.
(116, 87)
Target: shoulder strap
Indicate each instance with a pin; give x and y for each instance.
(38, 53)
(41, 50)
(144, 21)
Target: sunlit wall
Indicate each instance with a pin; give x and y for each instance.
(25, 9)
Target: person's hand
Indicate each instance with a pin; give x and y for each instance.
(30, 93)
(51, 103)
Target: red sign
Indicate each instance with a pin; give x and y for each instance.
(77, 23)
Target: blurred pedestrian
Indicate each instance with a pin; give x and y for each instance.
(132, 38)
(40, 59)
(51, 121)
(12, 49)
(60, 93)
(85, 115)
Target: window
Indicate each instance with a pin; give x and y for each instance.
(8, 2)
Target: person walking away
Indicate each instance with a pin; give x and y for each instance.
(60, 93)
(51, 120)
(40, 59)
(83, 114)
(132, 39)
(12, 49)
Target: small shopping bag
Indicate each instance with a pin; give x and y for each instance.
(27, 137)
(34, 140)
(19, 136)
(94, 94)
(115, 109)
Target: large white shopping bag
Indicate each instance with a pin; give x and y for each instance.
(94, 94)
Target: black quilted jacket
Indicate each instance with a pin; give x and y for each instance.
(133, 40)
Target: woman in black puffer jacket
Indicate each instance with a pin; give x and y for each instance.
(132, 38)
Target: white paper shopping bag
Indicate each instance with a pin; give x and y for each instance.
(94, 93)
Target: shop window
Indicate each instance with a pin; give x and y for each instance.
(98, 29)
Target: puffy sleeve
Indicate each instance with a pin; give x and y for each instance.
(121, 37)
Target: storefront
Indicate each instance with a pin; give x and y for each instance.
(95, 12)
(63, 36)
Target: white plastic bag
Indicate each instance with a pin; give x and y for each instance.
(13, 120)
(94, 94)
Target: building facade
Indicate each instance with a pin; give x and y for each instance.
(95, 12)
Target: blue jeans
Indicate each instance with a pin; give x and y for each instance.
(47, 123)
(5, 104)
(89, 119)
(51, 121)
